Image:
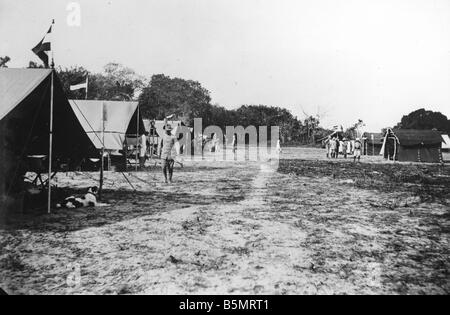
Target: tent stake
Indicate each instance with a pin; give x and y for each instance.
(50, 151)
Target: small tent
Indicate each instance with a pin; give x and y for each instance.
(412, 145)
(109, 122)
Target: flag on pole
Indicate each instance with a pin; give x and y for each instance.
(44, 46)
(80, 86)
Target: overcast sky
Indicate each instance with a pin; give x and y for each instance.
(374, 60)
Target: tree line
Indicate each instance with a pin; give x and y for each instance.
(161, 96)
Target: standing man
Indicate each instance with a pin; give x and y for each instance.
(165, 153)
(357, 152)
(333, 147)
(337, 147)
(143, 149)
(345, 147)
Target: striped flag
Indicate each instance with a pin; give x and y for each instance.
(44, 46)
(80, 86)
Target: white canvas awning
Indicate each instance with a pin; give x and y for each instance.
(118, 117)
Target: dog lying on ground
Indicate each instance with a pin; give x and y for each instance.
(88, 200)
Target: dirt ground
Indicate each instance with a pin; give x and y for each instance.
(305, 225)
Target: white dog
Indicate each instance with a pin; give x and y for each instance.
(88, 200)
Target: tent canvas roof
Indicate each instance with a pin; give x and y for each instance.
(121, 119)
(412, 137)
(25, 116)
(16, 84)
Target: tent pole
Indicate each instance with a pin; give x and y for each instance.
(137, 139)
(395, 149)
(87, 84)
(50, 150)
(103, 152)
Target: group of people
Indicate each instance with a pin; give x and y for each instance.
(336, 146)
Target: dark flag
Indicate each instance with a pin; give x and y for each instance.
(43, 46)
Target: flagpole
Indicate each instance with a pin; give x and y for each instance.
(52, 65)
(137, 139)
(50, 150)
(50, 140)
(103, 151)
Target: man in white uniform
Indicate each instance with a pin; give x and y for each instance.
(357, 152)
(165, 152)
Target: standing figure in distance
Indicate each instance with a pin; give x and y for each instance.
(337, 147)
(357, 152)
(165, 153)
(344, 147)
(143, 149)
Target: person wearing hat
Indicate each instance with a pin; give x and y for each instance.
(165, 153)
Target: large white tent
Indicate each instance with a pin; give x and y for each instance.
(108, 122)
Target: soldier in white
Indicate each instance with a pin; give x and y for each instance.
(357, 151)
(166, 147)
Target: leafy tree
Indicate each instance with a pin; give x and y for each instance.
(186, 99)
(425, 119)
(4, 61)
(311, 125)
(71, 76)
(258, 115)
(34, 65)
(355, 131)
(116, 82)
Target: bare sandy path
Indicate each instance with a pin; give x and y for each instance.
(236, 228)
